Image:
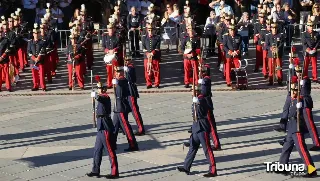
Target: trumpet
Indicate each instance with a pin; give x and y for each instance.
(149, 65)
(73, 66)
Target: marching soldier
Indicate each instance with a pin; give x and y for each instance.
(130, 74)
(232, 47)
(295, 134)
(4, 57)
(47, 61)
(18, 29)
(200, 135)
(113, 53)
(310, 42)
(191, 49)
(106, 139)
(76, 61)
(13, 57)
(258, 28)
(133, 26)
(274, 45)
(122, 109)
(36, 51)
(205, 84)
(88, 29)
(152, 55)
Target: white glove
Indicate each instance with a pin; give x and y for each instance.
(93, 94)
(291, 66)
(301, 82)
(312, 52)
(299, 105)
(114, 81)
(125, 68)
(200, 81)
(195, 100)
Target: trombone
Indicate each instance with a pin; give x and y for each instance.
(149, 65)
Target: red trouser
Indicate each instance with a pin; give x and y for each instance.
(314, 67)
(38, 75)
(4, 75)
(110, 73)
(264, 62)
(79, 74)
(22, 58)
(190, 67)
(14, 61)
(219, 53)
(48, 67)
(155, 72)
(89, 54)
(259, 56)
(272, 61)
(231, 63)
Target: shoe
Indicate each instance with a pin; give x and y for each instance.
(210, 175)
(10, 90)
(70, 88)
(81, 88)
(315, 148)
(279, 130)
(138, 54)
(112, 176)
(181, 169)
(281, 142)
(149, 86)
(270, 84)
(312, 175)
(34, 89)
(315, 81)
(44, 89)
(215, 149)
(158, 86)
(190, 130)
(91, 174)
(229, 85)
(139, 133)
(280, 83)
(131, 149)
(187, 86)
(278, 68)
(186, 144)
(266, 76)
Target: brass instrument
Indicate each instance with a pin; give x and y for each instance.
(149, 65)
(275, 62)
(73, 66)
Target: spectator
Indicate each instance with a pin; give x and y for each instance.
(40, 12)
(289, 18)
(76, 16)
(175, 14)
(210, 32)
(239, 9)
(219, 6)
(134, 3)
(144, 8)
(66, 8)
(278, 14)
(244, 26)
(316, 14)
(57, 14)
(306, 7)
(29, 12)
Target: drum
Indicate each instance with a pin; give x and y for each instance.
(239, 78)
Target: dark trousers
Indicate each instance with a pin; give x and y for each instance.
(136, 113)
(297, 140)
(134, 40)
(195, 140)
(213, 127)
(121, 120)
(104, 141)
(212, 43)
(289, 34)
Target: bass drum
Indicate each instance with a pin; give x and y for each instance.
(239, 78)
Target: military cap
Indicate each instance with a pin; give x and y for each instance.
(310, 23)
(274, 25)
(83, 8)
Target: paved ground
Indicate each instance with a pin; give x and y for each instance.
(51, 137)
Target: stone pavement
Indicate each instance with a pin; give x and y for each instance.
(47, 138)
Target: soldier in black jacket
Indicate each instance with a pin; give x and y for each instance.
(37, 52)
(122, 109)
(133, 25)
(274, 45)
(222, 30)
(130, 74)
(47, 60)
(232, 47)
(258, 28)
(200, 135)
(87, 27)
(191, 50)
(152, 56)
(106, 139)
(4, 58)
(112, 48)
(76, 61)
(310, 42)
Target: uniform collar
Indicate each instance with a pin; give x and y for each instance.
(104, 94)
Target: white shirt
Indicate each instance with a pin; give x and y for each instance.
(63, 4)
(57, 12)
(30, 4)
(144, 7)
